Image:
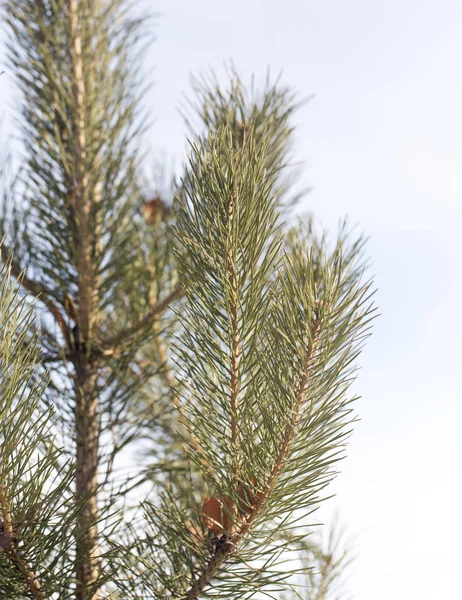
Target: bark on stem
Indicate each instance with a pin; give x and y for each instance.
(86, 406)
(87, 430)
(235, 335)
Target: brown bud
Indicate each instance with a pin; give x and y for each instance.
(218, 514)
(6, 539)
(243, 129)
(155, 209)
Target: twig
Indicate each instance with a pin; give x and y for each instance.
(147, 321)
(235, 335)
(39, 292)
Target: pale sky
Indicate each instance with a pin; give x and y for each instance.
(382, 142)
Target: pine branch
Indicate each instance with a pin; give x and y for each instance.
(81, 129)
(291, 428)
(9, 545)
(37, 291)
(34, 480)
(266, 113)
(301, 312)
(112, 344)
(231, 541)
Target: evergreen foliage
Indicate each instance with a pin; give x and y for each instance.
(37, 507)
(204, 330)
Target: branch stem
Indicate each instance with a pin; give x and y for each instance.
(38, 291)
(86, 404)
(112, 343)
(235, 332)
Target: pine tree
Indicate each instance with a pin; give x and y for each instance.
(205, 329)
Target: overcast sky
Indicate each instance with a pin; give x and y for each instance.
(382, 142)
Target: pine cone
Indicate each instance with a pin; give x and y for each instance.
(218, 514)
(154, 209)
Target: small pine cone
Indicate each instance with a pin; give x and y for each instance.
(218, 514)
